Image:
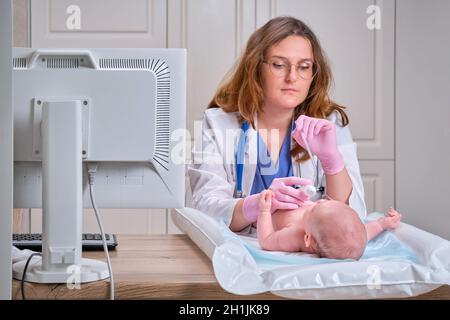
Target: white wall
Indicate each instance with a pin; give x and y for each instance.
(5, 148)
(423, 114)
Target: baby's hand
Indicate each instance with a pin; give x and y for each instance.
(392, 220)
(265, 201)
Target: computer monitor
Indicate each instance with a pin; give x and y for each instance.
(123, 109)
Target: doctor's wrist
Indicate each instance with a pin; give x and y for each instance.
(250, 208)
(332, 165)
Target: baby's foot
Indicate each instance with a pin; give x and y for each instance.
(393, 213)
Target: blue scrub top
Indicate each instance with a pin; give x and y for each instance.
(266, 171)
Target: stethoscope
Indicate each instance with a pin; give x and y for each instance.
(240, 164)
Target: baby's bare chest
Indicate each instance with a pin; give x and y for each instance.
(282, 219)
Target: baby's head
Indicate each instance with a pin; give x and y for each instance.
(335, 231)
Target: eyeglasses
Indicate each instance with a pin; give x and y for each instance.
(279, 67)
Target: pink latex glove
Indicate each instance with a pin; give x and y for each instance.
(285, 197)
(321, 137)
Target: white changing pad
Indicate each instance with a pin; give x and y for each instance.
(403, 263)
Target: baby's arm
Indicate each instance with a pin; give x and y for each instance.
(392, 221)
(286, 239)
(264, 222)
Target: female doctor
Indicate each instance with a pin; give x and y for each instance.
(263, 125)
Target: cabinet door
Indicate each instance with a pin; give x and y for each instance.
(99, 23)
(103, 23)
(214, 33)
(362, 62)
(423, 113)
(119, 221)
(378, 181)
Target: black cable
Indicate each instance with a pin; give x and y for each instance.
(22, 285)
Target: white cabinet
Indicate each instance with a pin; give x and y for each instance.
(378, 181)
(103, 23)
(99, 23)
(129, 221)
(362, 62)
(215, 33)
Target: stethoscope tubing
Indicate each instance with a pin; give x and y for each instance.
(240, 162)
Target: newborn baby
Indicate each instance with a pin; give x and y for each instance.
(328, 228)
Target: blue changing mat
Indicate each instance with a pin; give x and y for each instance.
(386, 246)
(406, 262)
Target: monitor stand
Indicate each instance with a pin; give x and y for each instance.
(61, 131)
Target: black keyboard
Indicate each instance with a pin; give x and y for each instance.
(90, 241)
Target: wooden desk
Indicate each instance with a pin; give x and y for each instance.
(156, 267)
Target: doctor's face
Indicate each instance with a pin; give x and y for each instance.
(287, 73)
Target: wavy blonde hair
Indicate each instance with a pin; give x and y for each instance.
(242, 92)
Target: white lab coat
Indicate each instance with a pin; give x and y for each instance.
(212, 173)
